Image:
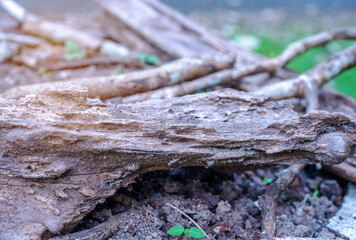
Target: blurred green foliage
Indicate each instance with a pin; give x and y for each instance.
(274, 36)
(73, 50)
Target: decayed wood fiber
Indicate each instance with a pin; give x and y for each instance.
(61, 153)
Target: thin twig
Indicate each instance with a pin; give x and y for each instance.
(105, 87)
(308, 84)
(267, 201)
(194, 222)
(102, 231)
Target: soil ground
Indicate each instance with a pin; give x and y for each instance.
(224, 205)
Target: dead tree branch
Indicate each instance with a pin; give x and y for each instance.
(228, 76)
(63, 153)
(102, 231)
(58, 33)
(184, 69)
(267, 201)
(54, 65)
(307, 85)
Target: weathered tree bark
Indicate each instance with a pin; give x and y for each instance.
(62, 153)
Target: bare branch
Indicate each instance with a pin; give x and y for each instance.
(267, 201)
(228, 76)
(58, 33)
(184, 69)
(319, 75)
(102, 231)
(59, 64)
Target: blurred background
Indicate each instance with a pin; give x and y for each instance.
(265, 27)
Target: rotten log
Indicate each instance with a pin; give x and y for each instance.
(105, 87)
(63, 153)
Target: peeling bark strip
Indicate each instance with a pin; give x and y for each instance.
(181, 70)
(62, 153)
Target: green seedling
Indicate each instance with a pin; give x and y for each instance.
(179, 230)
(268, 180)
(150, 59)
(73, 50)
(281, 196)
(315, 194)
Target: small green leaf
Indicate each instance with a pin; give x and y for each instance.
(196, 233)
(70, 45)
(268, 180)
(281, 196)
(148, 58)
(176, 230)
(42, 70)
(73, 50)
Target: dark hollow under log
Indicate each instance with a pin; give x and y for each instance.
(62, 153)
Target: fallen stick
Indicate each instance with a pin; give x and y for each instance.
(63, 153)
(61, 64)
(103, 231)
(343, 170)
(267, 201)
(228, 76)
(58, 33)
(184, 69)
(26, 40)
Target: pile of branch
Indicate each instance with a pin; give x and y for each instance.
(62, 151)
